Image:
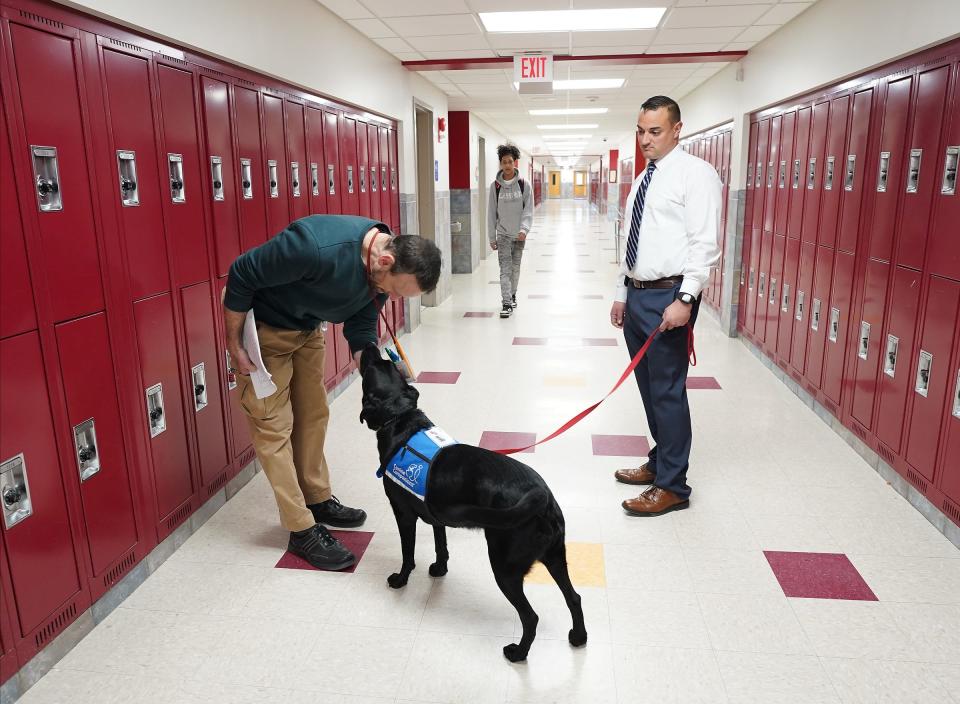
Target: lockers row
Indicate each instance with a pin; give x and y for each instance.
(133, 174)
(714, 148)
(851, 260)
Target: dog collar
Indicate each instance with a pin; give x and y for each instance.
(410, 465)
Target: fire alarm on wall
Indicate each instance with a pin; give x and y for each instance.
(441, 128)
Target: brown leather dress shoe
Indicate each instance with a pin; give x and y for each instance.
(636, 475)
(654, 502)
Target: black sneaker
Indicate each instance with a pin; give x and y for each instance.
(506, 311)
(333, 513)
(320, 549)
(514, 304)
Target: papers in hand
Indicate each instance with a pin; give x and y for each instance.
(261, 379)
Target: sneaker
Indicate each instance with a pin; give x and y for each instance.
(514, 304)
(506, 311)
(333, 513)
(320, 549)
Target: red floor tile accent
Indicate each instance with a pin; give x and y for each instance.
(702, 382)
(438, 377)
(493, 440)
(620, 445)
(818, 575)
(599, 342)
(530, 340)
(478, 314)
(354, 540)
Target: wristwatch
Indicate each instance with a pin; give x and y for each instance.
(686, 298)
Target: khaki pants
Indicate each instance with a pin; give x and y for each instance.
(289, 427)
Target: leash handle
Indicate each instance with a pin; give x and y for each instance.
(590, 409)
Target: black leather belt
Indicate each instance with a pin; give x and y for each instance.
(666, 282)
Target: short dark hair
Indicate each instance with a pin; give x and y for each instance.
(508, 150)
(415, 255)
(662, 101)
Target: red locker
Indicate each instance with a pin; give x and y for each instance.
(819, 315)
(854, 170)
(783, 167)
(772, 159)
(887, 179)
(98, 457)
(896, 378)
(797, 172)
(763, 285)
(362, 168)
(299, 167)
(240, 430)
(278, 213)
(349, 183)
(345, 363)
(44, 67)
(838, 325)
(921, 178)
(933, 379)
(254, 180)
(8, 653)
(948, 477)
(203, 379)
(760, 174)
(395, 182)
(386, 213)
(753, 281)
(132, 128)
(331, 150)
(184, 206)
(747, 264)
(870, 342)
(163, 412)
(40, 549)
(944, 244)
(788, 292)
(373, 152)
(221, 171)
(833, 171)
(773, 295)
(17, 314)
(317, 169)
(802, 301)
(813, 172)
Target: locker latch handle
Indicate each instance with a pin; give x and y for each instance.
(156, 413)
(46, 187)
(924, 365)
(85, 443)
(176, 185)
(128, 185)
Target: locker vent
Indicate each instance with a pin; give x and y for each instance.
(132, 47)
(40, 20)
(217, 484)
(886, 454)
(796, 377)
(247, 457)
(122, 567)
(952, 511)
(174, 59)
(245, 82)
(917, 480)
(54, 626)
(811, 389)
(178, 517)
(214, 72)
(861, 433)
(831, 406)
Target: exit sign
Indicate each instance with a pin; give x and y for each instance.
(537, 68)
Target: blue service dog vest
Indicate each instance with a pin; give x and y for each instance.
(410, 466)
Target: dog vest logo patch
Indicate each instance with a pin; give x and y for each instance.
(410, 466)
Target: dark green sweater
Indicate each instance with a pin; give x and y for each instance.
(310, 273)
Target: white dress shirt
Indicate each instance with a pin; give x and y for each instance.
(680, 226)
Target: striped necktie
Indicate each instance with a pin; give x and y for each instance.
(634, 237)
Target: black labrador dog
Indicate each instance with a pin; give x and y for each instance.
(469, 487)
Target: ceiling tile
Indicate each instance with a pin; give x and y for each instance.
(637, 39)
(704, 35)
(530, 40)
(684, 48)
(394, 44)
(784, 12)
(347, 9)
(739, 46)
(408, 56)
(393, 8)
(433, 25)
(757, 32)
(616, 4)
(470, 54)
(373, 28)
(513, 5)
(736, 16)
(704, 3)
(453, 42)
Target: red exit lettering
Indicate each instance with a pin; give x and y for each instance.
(533, 67)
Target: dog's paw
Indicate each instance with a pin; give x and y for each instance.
(513, 653)
(397, 580)
(438, 569)
(577, 639)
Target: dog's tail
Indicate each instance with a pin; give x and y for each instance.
(530, 504)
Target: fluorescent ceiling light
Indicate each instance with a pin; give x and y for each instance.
(584, 84)
(580, 126)
(573, 20)
(567, 136)
(570, 111)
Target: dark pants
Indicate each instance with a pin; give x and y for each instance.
(662, 379)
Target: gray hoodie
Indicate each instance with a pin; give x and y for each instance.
(513, 211)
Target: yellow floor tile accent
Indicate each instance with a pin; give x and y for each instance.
(585, 563)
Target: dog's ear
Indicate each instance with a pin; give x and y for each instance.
(411, 393)
(365, 409)
(370, 353)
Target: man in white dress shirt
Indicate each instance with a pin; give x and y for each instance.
(674, 214)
